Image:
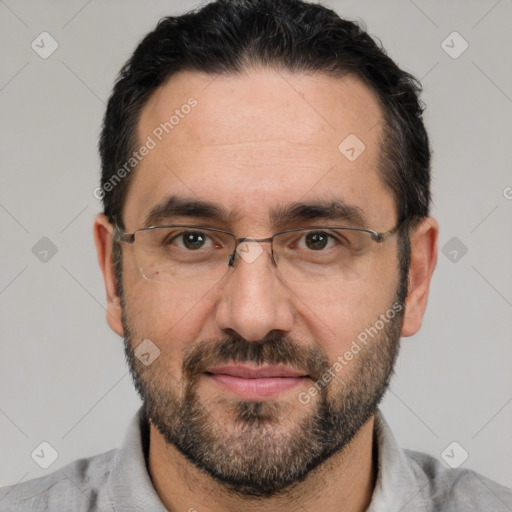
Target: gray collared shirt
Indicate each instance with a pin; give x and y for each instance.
(118, 480)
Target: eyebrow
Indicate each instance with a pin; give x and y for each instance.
(174, 206)
(333, 210)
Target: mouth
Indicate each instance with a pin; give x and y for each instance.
(251, 382)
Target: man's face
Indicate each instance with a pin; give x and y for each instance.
(254, 145)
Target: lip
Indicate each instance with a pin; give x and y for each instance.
(256, 382)
(255, 372)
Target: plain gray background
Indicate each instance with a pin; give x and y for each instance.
(63, 376)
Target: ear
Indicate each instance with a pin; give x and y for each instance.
(423, 262)
(103, 230)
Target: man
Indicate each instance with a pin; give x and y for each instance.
(265, 243)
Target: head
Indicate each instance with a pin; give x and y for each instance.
(256, 117)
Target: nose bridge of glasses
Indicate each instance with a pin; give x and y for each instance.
(250, 239)
(249, 253)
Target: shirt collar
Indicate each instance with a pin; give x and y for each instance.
(130, 485)
(398, 487)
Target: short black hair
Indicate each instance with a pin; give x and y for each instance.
(229, 36)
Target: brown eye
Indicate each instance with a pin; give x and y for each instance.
(317, 241)
(191, 240)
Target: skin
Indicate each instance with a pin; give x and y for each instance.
(254, 142)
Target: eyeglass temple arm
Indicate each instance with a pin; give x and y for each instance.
(380, 237)
(119, 235)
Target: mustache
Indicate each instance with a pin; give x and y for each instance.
(274, 349)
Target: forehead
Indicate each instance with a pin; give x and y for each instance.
(258, 141)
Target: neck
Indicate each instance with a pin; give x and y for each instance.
(343, 483)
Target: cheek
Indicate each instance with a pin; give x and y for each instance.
(157, 307)
(171, 318)
(336, 318)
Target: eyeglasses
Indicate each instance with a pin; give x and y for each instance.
(183, 254)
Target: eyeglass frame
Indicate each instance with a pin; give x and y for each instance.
(120, 236)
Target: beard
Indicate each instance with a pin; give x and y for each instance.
(265, 448)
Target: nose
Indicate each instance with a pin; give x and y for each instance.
(254, 301)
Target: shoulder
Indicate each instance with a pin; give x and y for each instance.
(78, 486)
(447, 490)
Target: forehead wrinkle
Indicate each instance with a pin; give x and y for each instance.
(250, 142)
